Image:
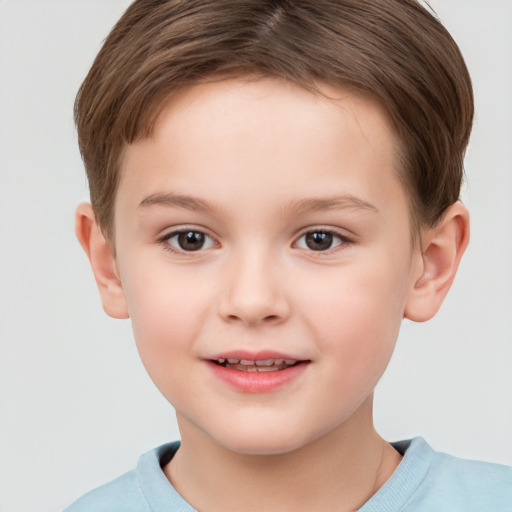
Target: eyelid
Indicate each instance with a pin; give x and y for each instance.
(342, 237)
(344, 240)
(164, 240)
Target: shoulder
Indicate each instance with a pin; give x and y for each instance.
(121, 495)
(427, 481)
(450, 483)
(473, 484)
(140, 490)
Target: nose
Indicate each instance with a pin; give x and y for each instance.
(253, 292)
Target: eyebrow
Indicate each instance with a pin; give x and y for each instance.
(296, 207)
(176, 200)
(314, 204)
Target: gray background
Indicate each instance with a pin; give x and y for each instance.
(76, 405)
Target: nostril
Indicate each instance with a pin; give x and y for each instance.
(265, 319)
(252, 308)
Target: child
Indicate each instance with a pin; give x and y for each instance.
(274, 187)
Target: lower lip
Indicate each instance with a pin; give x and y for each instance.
(257, 382)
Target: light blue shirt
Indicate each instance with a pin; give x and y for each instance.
(425, 481)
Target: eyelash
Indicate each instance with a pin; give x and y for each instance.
(165, 241)
(342, 240)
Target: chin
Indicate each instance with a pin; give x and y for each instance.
(261, 447)
(264, 441)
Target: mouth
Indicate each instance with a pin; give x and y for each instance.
(259, 373)
(258, 365)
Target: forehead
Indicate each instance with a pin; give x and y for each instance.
(256, 136)
(290, 105)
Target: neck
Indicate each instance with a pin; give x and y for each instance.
(339, 471)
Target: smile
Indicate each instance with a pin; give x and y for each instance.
(259, 365)
(263, 372)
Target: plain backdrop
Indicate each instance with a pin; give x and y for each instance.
(76, 405)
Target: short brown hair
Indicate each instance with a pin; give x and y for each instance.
(395, 50)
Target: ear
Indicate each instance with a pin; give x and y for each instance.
(441, 251)
(102, 261)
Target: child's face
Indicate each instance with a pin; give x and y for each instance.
(295, 244)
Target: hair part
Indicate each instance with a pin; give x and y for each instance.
(395, 50)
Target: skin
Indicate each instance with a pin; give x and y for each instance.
(256, 165)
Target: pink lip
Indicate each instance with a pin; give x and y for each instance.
(252, 356)
(256, 382)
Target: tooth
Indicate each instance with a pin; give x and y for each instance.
(221, 361)
(252, 369)
(265, 362)
(246, 362)
(278, 361)
(233, 361)
(290, 361)
(267, 368)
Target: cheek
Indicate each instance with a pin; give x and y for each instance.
(166, 317)
(356, 316)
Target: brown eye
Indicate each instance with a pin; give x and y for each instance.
(189, 240)
(320, 240)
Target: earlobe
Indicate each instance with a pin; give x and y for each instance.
(442, 249)
(102, 261)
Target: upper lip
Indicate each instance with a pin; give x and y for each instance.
(262, 355)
